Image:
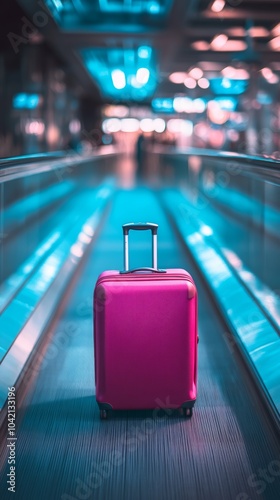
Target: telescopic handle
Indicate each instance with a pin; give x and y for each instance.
(140, 226)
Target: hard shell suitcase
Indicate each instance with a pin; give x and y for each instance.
(145, 336)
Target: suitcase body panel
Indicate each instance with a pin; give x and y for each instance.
(145, 338)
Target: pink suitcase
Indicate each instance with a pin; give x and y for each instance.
(145, 336)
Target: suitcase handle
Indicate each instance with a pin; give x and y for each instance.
(148, 269)
(140, 226)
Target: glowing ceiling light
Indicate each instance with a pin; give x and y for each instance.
(34, 127)
(144, 52)
(134, 82)
(118, 78)
(189, 107)
(147, 125)
(200, 45)
(196, 73)
(275, 43)
(203, 83)
(276, 30)
(258, 32)
(58, 4)
(178, 126)
(116, 111)
(183, 104)
(218, 41)
(163, 105)
(52, 134)
(178, 77)
(179, 104)
(28, 101)
(218, 5)
(269, 75)
(228, 72)
(111, 125)
(187, 128)
(206, 230)
(142, 76)
(216, 114)
(233, 46)
(273, 79)
(115, 69)
(154, 8)
(190, 83)
(159, 125)
(237, 31)
(235, 73)
(266, 72)
(226, 103)
(174, 125)
(199, 105)
(129, 125)
(75, 126)
(226, 83)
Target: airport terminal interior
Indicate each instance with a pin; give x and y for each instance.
(139, 111)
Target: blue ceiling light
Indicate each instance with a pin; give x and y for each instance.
(57, 4)
(26, 101)
(118, 78)
(227, 103)
(99, 14)
(56, 8)
(163, 105)
(123, 74)
(142, 76)
(138, 7)
(227, 86)
(154, 7)
(144, 52)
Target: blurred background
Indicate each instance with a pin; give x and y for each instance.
(81, 73)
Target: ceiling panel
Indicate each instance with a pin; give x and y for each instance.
(100, 40)
(104, 15)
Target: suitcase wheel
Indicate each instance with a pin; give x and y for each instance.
(186, 412)
(103, 414)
